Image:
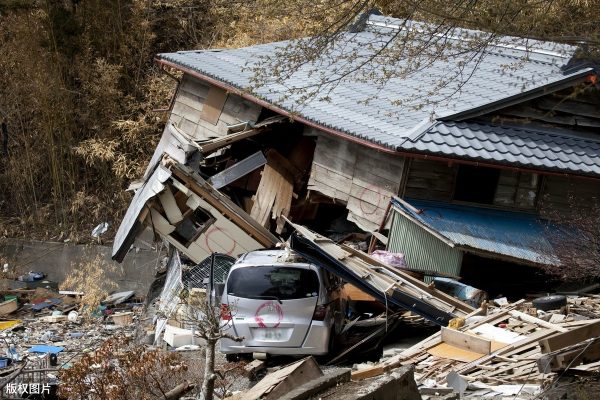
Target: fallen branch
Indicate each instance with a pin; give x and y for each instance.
(179, 391)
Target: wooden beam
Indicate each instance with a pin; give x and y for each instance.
(215, 144)
(528, 318)
(584, 353)
(465, 341)
(570, 338)
(209, 146)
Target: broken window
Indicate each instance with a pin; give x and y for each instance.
(192, 225)
(476, 184)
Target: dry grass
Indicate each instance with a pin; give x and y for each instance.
(92, 278)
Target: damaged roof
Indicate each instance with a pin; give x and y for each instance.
(527, 146)
(515, 235)
(390, 112)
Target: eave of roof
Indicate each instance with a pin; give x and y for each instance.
(253, 98)
(526, 146)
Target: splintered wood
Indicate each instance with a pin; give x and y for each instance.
(273, 198)
(507, 347)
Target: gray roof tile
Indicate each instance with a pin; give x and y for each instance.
(528, 146)
(380, 120)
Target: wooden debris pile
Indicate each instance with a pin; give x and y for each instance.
(508, 346)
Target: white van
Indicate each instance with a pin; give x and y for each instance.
(281, 305)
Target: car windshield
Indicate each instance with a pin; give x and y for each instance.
(270, 282)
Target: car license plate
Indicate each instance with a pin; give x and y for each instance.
(271, 334)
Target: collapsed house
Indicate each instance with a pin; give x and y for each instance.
(461, 188)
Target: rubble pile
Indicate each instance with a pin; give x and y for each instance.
(43, 332)
(509, 349)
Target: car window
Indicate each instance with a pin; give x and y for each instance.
(263, 282)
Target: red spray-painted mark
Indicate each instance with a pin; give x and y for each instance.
(366, 207)
(208, 234)
(271, 307)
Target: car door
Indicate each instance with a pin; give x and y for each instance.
(272, 305)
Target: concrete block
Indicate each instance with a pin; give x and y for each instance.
(399, 384)
(316, 386)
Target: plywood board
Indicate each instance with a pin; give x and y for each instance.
(354, 293)
(213, 105)
(445, 350)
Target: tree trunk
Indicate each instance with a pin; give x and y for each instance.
(208, 386)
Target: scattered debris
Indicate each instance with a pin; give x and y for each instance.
(504, 349)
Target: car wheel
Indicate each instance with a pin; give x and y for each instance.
(547, 303)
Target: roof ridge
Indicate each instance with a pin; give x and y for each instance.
(465, 33)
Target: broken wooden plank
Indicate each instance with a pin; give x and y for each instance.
(238, 170)
(273, 198)
(465, 341)
(569, 338)
(508, 350)
(537, 321)
(369, 372)
(209, 146)
(450, 352)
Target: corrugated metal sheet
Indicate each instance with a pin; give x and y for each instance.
(421, 249)
(523, 145)
(153, 186)
(515, 235)
(387, 113)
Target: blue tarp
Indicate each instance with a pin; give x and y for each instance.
(42, 348)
